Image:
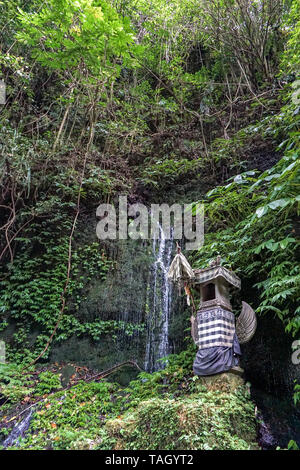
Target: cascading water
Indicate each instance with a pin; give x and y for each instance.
(18, 431)
(159, 300)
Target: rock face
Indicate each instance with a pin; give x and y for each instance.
(220, 415)
(136, 297)
(269, 368)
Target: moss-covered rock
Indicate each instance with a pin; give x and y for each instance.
(226, 382)
(208, 419)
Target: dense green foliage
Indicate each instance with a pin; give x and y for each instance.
(169, 409)
(172, 101)
(155, 106)
(252, 221)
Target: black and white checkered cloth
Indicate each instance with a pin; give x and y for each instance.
(215, 327)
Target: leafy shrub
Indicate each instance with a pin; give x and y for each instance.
(48, 382)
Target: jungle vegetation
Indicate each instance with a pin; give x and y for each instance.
(180, 100)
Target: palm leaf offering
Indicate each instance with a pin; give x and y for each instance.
(246, 324)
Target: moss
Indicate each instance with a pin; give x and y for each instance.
(165, 410)
(204, 420)
(170, 409)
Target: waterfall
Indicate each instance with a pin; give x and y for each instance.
(18, 431)
(159, 301)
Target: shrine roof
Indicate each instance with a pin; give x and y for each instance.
(207, 274)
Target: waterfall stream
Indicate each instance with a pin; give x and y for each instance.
(159, 298)
(18, 431)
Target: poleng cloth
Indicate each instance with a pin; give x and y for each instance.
(215, 327)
